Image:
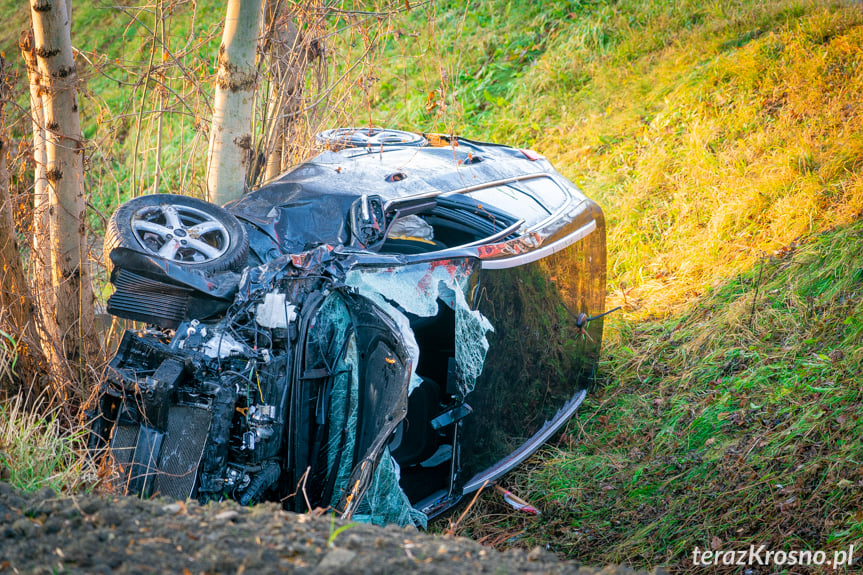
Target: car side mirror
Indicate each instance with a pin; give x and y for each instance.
(368, 222)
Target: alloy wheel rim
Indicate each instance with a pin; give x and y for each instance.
(180, 233)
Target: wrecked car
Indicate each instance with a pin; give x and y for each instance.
(380, 331)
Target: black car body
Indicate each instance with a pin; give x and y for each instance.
(381, 330)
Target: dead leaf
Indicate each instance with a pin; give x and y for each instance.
(431, 102)
(715, 543)
(789, 503)
(836, 355)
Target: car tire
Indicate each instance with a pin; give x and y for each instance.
(374, 138)
(189, 232)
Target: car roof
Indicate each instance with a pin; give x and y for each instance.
(308, 204)
(395, 172)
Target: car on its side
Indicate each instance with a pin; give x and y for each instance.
(381, 330)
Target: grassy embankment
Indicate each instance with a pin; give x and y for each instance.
(725, 142)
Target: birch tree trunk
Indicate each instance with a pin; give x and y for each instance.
(17, 317)
(230, 150)
(70, 271)
(41, 239)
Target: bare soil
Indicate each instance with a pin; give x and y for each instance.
(49, 533)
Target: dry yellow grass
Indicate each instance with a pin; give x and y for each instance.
(734, 154)
(725, 142)
(712, 133)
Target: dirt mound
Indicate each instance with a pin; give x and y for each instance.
(47, 533)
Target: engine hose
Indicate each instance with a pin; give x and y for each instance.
(264, 479)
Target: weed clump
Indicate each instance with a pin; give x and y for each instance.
(38, 450)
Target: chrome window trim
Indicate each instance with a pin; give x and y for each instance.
(541, 252)
(493, 238)
(406, 199)
(528, 447)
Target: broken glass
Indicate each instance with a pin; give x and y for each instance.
(415, 289)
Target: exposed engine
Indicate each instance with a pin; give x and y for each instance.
(217, 392)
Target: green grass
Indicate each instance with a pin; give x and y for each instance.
(116, 43)
(37, 450)
(738, 418)
(710, 133)
(724, 142)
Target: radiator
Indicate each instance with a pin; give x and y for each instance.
(150, 462)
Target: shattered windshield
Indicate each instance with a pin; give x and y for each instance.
(416, 289)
